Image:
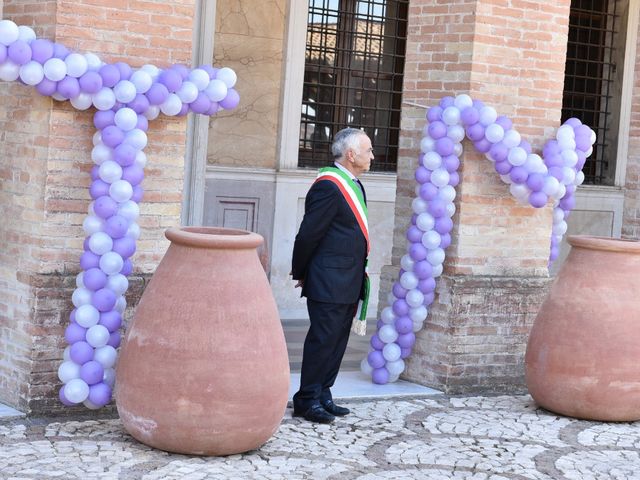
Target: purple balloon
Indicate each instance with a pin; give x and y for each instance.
(133, 174)
(376, 343)
(114, 340)
(454, 179)
(68, 87)
(41, 50)
(100, 394)
(556, 172)
(553, 254)
(504, 122)
(171, 79)
(444, 146)
(139, 104)
(470, 116)
(483, 145)
(503, 168)
(437, 207)
(74, 333)
(568, 202)
(379, 324)
(375, 359)
(535, 182)
(124, 69)
(47, 87)
(127, 267)
(19, 52)
(60, 51)
(429, 297)
(125, 246)
(434, 114)
(518, 175)
(427, 285)
(423, 269)
(443, 225)
(553, 160)
(499, 152)
(445, 240)
(81, 352)
(111, 320)
(451, 163)
(92, 372)
(201, 104)
(157, 94)
(428, 192)
(183, 110)
(380, 376)
(103, 119)
(209, 69)
(105, 206)
(112, 136)
(414, 234)
(401, 307)
(183, 70)
(143, 123)
(573, 122)
(110, 75)
(422, 175)
(85, 244)
(417, 252)
(95, 172)
(104, 299)
(399, 291)
(94, 279)
(403, 324)
(63, 398)
(447, 101)
(89, 260)
(116, 226)
(583, 143)
(526, 146)
(437, 130)
(98, 188)
(213, 108)
(138, 193)
(475, 132)
(124, 154)
(405, 352)
(90, 82)
(538, 199)
(406, 340)
(3, 53)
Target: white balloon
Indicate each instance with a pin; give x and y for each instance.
(506, 179)
(463, 101)
(417, 326)
(9, 71)
(457, 149)
(126, 119)
(455, 133)
(550, 186)
(451, 209)
(216, 90)
(567, 144)
(31, 73)
(129, 210)
(228, 76)
(511, 138)
(133, 231)
(104, 99)
(90, 405)
(387, 315)
(579, 178)
(110, 171)
(82, 101)
(435, 256)
(488, 115)
(432, 160)
(534, 163)
(406, 262)
(92, 224)
(520, 191)
(111, 263)
(81, 296)
(436, 270)
(101, 153)
(418, 205)
(395, 367)
(93, 61)
(494, 133)
(568, 175)
(26, 34)
(391, 352)
(76, 65)
(68, 370)
(151, 70)
(80, 280)
(121, 304)
(66, 353)
(451, 115)
(418, 314)
(409, 280)
(592, 138)
(141, 159)
(109, 376)
(565, 132)
(187, 92)
(87, 316)
(136, 138)
(199, 78)
(558, 215)
(97, 336)
(106, 355)
(141, 80)
(387, 334)
(125, 91)
(447, 193)
(120, 191)
(117, 283)
(414, 298)
(425, 222)
(55, 69)
(100, 243)
(569, 157)
(517, 156)
(365, 367)
(172, 105)
(76, 390)
(559, 228)
(440, 177)
(393, 378)
(152, 112)
(431, 239)
(427, 144)
(9, 32)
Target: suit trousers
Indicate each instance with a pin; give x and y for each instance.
(324, 348)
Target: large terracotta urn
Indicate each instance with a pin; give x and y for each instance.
(204, 368)
(583, 354)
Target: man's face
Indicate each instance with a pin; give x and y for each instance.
(363, 156)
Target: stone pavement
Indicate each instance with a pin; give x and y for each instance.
(430, 438)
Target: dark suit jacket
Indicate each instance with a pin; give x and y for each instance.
(330, 249)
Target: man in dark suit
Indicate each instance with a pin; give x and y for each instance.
(329, 260)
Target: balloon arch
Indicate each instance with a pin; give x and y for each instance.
(126, 100)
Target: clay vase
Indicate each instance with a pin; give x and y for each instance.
(583, 354)
(203, 368)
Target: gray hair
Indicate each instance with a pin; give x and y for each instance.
(346, 139)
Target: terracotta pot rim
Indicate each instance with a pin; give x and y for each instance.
(604, 243)
(214, 237)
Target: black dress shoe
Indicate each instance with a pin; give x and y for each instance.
(334, 409)
(316, 413)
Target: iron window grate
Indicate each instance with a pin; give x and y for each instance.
(353, 77)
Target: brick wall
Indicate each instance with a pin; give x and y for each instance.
(511, 56)
(631, 213)
(45, 149)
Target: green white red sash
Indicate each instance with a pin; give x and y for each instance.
(355, 199)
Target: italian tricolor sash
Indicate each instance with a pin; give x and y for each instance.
(354, 198)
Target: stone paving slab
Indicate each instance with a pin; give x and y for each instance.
(435, 438)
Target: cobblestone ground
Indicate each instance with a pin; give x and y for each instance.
(434, 438)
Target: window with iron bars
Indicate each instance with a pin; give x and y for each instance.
(353, 77)
(593, 80)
